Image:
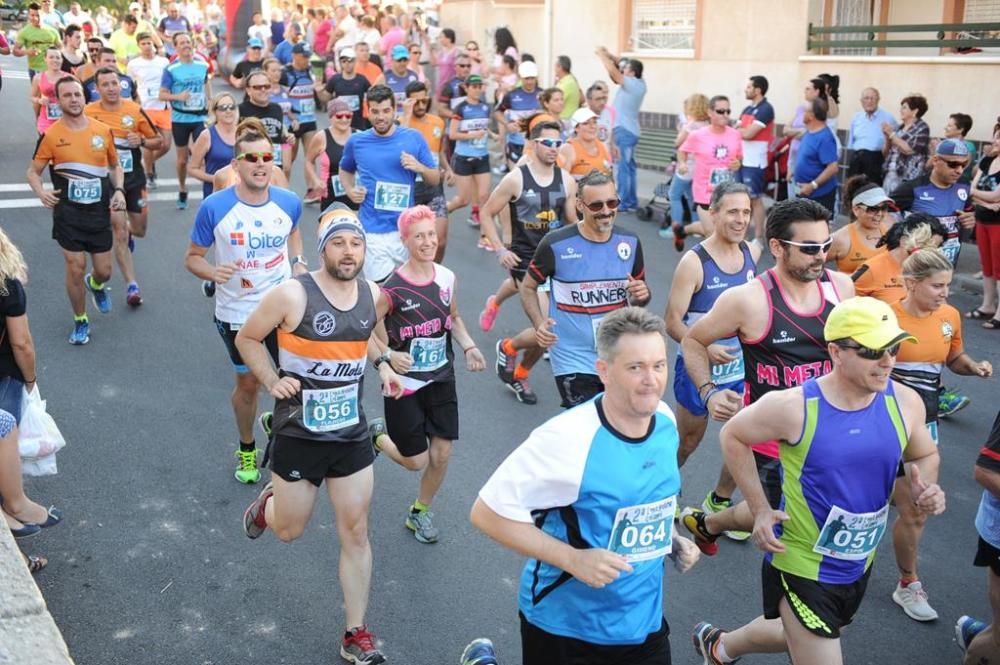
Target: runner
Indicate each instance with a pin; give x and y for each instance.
(302, 93)
(349, 86)
(518, 103)
(278, 94)
(320, 430)
(416, 115)
(539, 197)
(595, 522)
(328, 147)
(106, 59)
(382, 186)
(125, 42)
(254, 61)
(146, 70)
(72, 55)
(186, 86)
(937, 326)
(87, 69)
(757, 129)
(420, 312)
(34, 39)
(595, 269)
(469, 131)
(857, 242)
(722, 261)
(171, 25)
(254, 229)
(370, 70)
(778, 318)
(821, 543)
(881, 276)
(132, 130)
(213, 149)
(258, 105)
(227, 176)
(86, 188)
(584, 153)
(43, 91)
(398, 76)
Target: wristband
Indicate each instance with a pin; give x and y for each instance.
(469, 349)
(120, 189)
(711, 392)
(707, 383)
(813, 183)
(30, 380)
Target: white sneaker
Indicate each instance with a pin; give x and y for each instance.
(913, 599)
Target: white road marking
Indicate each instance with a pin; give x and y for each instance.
(11, 204)
(24, 187)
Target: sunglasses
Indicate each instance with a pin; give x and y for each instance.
(876, 210)
(810, 248)
(461, 66)
(722, 111)
(471, 48)
(347, 59)
(260, 87)
(598, 206)
(226, 107)
(548, 143)
(343, 116)
(871, 354)
(954, 165)
(254, 157)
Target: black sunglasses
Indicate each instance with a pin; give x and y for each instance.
(598, 206)
(871, 354)
(810, 248)
(722, 111)
(954, 165)
(875, 210)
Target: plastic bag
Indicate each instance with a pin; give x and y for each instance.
(40, 438)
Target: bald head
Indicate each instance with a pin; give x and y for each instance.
(869, 99)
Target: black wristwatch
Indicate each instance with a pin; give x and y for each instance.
(120, 189)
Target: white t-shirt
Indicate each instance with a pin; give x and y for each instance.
(350, 27)
(147, 75)
(261, 32)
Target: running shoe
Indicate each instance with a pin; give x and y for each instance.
(711, 506)
(666, 231)
(488, 316)
(313, 196)
(479, 652)
(253, 517)
(246, 467)
(133, 296)
(679, 236)
(505, 363)
(966, 630)
(131, 243)
(522, 391)
(182, 200)
(500, 170)
(484, 243)
(376, 428)
(80, 334)
(359, 647)
(102, 300)
(913, 599)
(694, 521)
(208, 288)
(704, 638)
(951, 401)
(266, 421)
(422, 526)
(151, 181)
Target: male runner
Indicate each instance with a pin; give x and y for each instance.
(757, 129)
(420, 312)
(595, 269)
(254, 61)
(778, 319)
(722, 261)
(86, 188)
(842, 437)
(382, 185)
(86, 70)
(302, 94)
(365, 66)
(518, 103)
(398, 75)
(258, 104)
(132, 130)
(172, 25)
(106, 59)
(186, 86)
(254, 229)
(320, 429)
(147, 71)
(453, 90)
(416, 116)
(589, 497)
(72, 54)
(124, 41)
(34, 39)
(540, 197)
(349, 86)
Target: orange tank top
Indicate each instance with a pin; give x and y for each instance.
(858, 253)
(586, 162)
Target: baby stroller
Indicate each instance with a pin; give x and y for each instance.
(649, 212)
(776, 173)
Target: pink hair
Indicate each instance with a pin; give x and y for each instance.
(411, 216)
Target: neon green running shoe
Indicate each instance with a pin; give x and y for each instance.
(711, 506)
(246, 467)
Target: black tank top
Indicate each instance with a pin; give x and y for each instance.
(334, 151)
(328, 353)
(535, 212)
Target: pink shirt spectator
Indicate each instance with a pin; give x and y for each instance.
(713, 152)
(322, 38)
(392, 38)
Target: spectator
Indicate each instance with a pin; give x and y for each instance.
(866, 138)
(797, 127)
(816, 166)
(443, 58)
(570, 87)
(986, 195)
(905, 150)
(476, 56)
(628, 101)
(322, 27)
(756, 125)
(508, 78)
(105, 22)
(597, 101)
(957, 127)
(831, 95)
(695, 117)
(367, 32)
(393, 36)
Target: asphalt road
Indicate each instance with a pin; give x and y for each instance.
(151, 564)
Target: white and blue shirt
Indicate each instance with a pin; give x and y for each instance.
(988, 515)
(582, 482)
(191, 76)
(255, 237)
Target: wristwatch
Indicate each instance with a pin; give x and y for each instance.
(382, 359)
(297, 259)
(120, 189)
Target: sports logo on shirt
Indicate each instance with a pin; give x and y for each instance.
(128, 121)
(445, 295)
(963, 194)
(624, 251)
(324, 323)
(97, 142)
(946, 330)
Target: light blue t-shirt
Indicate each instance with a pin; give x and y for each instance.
(866, 130)
(628, 102)
(192, 76)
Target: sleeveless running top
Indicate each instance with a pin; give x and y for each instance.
(858, 253)
(836, 483)
(398, 85)
(219, 154)
(535, 212)
(792, 349)
(330, 172)
(50, 111)
(585, 162)
(328, 353)
(419, 323)
(301, 93)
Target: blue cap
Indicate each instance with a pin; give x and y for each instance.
(400, 52)
(952, 148)
(302, 48)
(255, 42)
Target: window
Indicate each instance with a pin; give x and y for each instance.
(981, 11)
(663, 26)
(853, 13)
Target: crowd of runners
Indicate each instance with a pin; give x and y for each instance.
(827, 368)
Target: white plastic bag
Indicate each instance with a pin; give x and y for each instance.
(39, 437)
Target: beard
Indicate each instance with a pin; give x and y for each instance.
(343, 273)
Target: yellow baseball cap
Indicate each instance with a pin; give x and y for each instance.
(868, 321)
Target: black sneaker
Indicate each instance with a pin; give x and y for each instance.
(522, 391)
(208, 288)
(505, 363)
(182, 200)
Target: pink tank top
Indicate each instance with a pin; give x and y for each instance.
(50, 110)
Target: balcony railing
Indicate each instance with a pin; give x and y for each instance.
(963, 36)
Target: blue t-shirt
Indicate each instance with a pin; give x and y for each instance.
(627, 104)
(283, 52)
(471, 117)
(518, 104)
(922, 195)
(816, 151)
(375, 161)
(398, 85)
(126, 83)
(192, 76)
(583, 483)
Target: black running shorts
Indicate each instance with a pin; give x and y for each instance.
(769, 472)
(539, 647)
(227, 331)
(823, 609)
(294, 459)
(578, 388)
(987, 556)
(135, 199)
(470, 165)
(92, 238)
(431, 411)
(186, 132)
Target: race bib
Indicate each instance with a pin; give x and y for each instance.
(719, 176)
(125, 159)
(729, 372)
(53, 110)
(429, 353)
(336, 186)
(307, 107)
(851, 536)
(644, 532)
(933, 429)
(277, 155)
(331, 409)
(151, 94)
(195, 102)
(392, 196)
(84, 191)
(353, 101)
